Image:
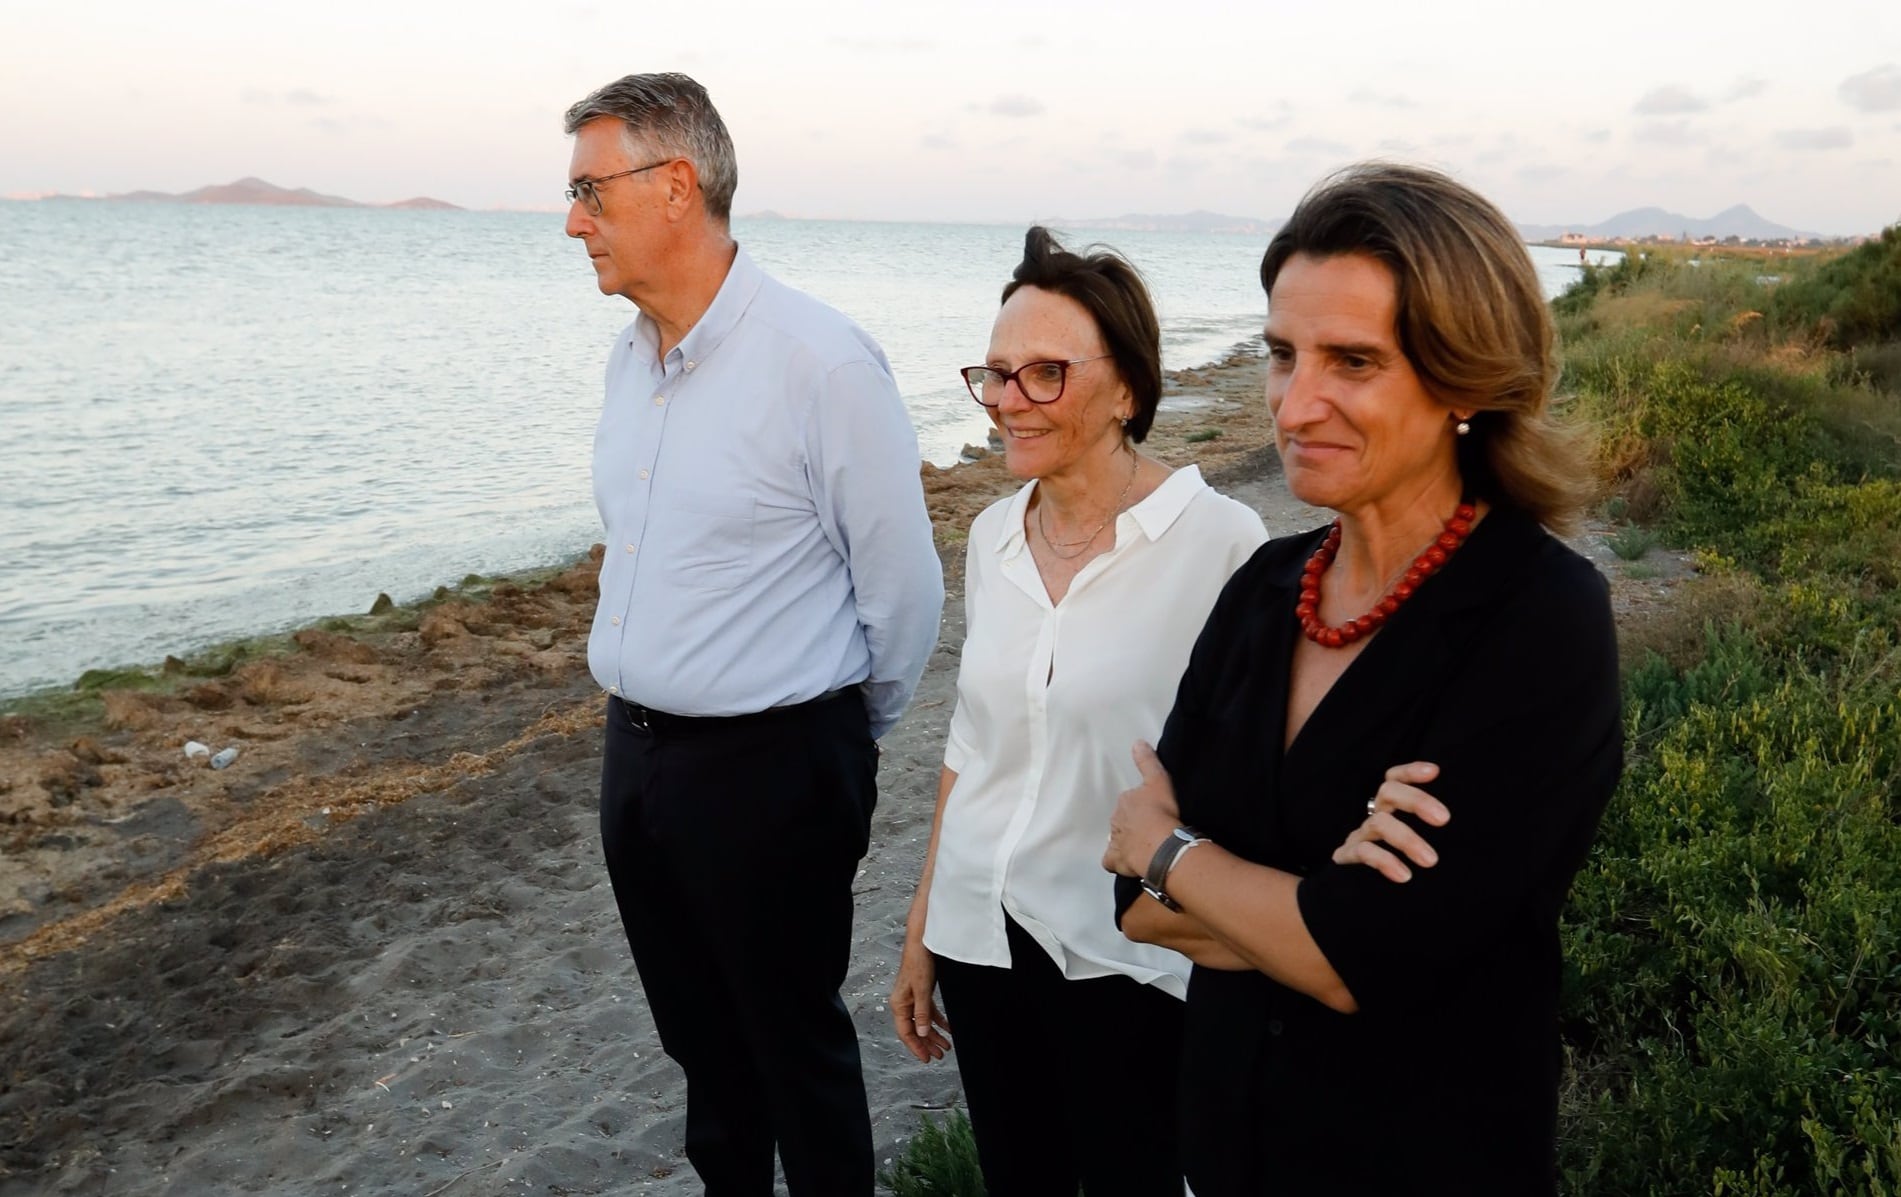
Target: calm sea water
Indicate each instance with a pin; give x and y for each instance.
(219, 421)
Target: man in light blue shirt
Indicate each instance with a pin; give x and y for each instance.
(769, 596)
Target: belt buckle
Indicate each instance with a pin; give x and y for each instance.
(639, 716)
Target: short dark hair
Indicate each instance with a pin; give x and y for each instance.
(1472, 319)
(1111, 290)
(673, 113)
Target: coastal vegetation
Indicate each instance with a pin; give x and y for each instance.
(940, 1160)
(1733, 946)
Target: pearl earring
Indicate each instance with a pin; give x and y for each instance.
(1463, 427)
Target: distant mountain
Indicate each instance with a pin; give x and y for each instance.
(1739, 221)
(1186, 222)
(257, 191)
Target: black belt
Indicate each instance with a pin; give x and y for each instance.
(649, 720)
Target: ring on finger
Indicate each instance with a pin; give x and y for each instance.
(1373, 805)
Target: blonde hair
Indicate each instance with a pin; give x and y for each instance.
(1472, 319)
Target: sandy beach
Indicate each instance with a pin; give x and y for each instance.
(378, 954)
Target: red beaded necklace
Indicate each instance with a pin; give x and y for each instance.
(1424, 566)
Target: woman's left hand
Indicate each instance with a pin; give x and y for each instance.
(1143, 817)
(1399, 792)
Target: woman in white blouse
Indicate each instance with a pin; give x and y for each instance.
(1084, 593)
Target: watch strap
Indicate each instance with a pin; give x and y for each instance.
(1155, 879)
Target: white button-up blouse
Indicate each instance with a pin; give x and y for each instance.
(1049, 699)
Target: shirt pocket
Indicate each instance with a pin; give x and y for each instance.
(714, 548)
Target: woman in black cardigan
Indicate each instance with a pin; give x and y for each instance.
(1374, 1003)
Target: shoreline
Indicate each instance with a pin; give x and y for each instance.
(1211, 415)
(215, 657)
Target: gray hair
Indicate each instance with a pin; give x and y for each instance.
(674, 113)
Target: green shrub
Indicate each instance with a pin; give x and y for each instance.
(1734, 984)
(1631, 543)
(1853, 299)
(940, 1161)
(1732, 994)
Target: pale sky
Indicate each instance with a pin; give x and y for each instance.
(983, 111)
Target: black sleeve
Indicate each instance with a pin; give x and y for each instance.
(1181, 731)
(1529, 742)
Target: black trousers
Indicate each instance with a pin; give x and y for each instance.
(1047, 1078)
(732, 846)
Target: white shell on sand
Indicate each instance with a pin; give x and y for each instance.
(194, 750)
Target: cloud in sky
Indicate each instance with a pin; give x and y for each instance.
(1318, 145)
(1670, 133)
(1279, 118)
(886, 45)
(863, 115)
(1016, 105)
(301, 97)
(1877, 90)
(1833, 138)
(340, 125)
(1668, 101)
(1379, 99)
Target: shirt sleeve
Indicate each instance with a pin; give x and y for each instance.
(862, 456)
(1529, 744)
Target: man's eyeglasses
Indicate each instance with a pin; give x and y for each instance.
(1040, 382)
(583, 189)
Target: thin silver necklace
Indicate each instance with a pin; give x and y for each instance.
(1081, 546)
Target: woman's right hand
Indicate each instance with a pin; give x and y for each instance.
(914, 1011)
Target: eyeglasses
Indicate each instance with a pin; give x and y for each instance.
(583, 189)
(1040, 382)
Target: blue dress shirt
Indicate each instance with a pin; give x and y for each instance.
(766, 534)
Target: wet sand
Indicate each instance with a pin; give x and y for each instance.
(378, 954)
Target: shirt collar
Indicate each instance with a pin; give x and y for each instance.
(743, 279)
(1154, 514)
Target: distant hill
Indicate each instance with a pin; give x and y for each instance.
(257, 191)
(1739, 221)
(1186, 222)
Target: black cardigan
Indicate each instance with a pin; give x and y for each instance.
(1502, 670)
